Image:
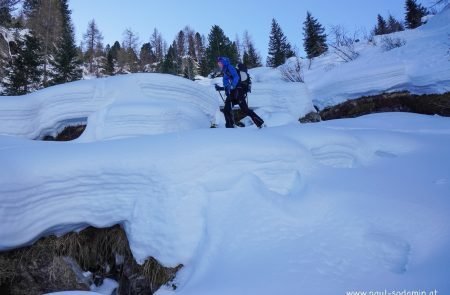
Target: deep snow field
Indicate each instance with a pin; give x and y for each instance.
(345, 205)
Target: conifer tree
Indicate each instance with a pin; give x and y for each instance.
(146, 57)
(219, 45)
(67, 66)
(169, 65)
(201, 54)
(25, 70)
(130, 45)
(250, 58)
(45, 19)
(157, 43)
(93, 42)
(6, 9)
(115, 49)
(414, 14)
(382, 27)
(394, 25)
(110, 62)
(279, 48)
(315, 39)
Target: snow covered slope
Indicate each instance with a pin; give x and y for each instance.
(421, 66)
(116, 107)
(355, 204)
(298, 209)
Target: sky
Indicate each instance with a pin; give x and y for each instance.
(233, 16)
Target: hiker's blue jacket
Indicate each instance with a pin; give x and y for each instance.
(230, 75)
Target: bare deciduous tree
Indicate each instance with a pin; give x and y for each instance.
(292, 70)
(343, 44)
(45, 20)
(93, 44)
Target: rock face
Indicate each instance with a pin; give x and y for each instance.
(59, 264)
(433, 104)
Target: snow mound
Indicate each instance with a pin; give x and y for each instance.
(307, 208)
(115, 107)
(421, 66)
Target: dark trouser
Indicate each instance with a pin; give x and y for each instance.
(236, 97)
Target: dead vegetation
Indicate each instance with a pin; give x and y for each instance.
(57, 264)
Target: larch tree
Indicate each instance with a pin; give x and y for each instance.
(93, 39)
(45, 19)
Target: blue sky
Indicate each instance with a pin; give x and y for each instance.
(234, 16)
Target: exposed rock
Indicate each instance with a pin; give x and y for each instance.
(312, 117)
(433, 104)
(57, 264)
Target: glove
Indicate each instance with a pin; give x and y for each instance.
(218, 88)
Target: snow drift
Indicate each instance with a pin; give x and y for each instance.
(313, 208)
(119, 106)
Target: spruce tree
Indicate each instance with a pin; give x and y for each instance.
(192, 47)
(393, 25)
(6, 9)
(201, 54)
(146, 57)
(115, 49)
(219, 45)
(67, 66)
(169, 65)
(315, 39)
(279, 48)
(25, 70)
(110, 62)
(251, 58)
(414, 14)
(234, 53)
(382, 27)
(181, 52)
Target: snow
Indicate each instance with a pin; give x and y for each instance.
(107, 288)
(345, 205)
(421, 66)
(313, 208)
(128, 105)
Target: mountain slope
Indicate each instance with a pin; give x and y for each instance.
(421, 66)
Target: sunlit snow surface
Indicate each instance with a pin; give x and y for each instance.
(354, 204)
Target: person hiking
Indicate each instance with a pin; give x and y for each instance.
(235, 94)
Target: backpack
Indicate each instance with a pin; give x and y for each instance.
(245, 81)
